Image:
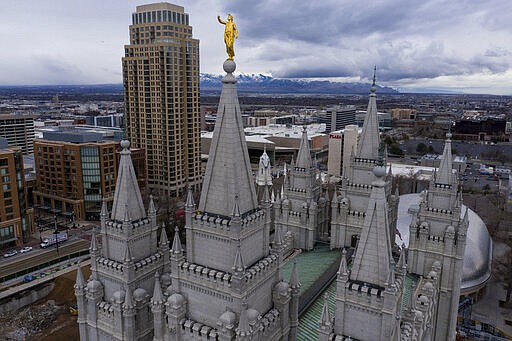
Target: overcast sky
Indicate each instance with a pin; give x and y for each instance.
(459, 45)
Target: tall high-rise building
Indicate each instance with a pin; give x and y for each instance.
(337, 117)
(19, 131)
(161, 91)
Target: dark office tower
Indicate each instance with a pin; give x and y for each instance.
(161, 91)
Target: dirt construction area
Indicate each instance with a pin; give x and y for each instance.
(48, 319)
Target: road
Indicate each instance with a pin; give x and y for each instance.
(34, 258)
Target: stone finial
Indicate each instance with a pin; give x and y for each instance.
(126, 218)
(157, 298)
(104, 209)
(325, 319)
(236, 208)
(80, 282)
(243, 323)
(238, 265)
(176, 243)
(343, 269)
(278, 238)
(402, 265)
(190, 199)
(128, 299)
(128, 254)
(151, 206)
(294, 277)
(163, 237)
(266, 196)
(94, 243)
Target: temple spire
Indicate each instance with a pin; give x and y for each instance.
(294, 276)
(325, 319)
(127, 195)
(158, 297)
(445, 175)
(228, 171)
(176, 243)
(373, 254)
(368, 145)
(304, 155)
(80, 282)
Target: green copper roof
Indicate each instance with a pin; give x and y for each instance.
(311, 265)
(410, 284)
(308, 322)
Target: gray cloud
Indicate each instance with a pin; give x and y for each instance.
(406, 39)
(82, 42)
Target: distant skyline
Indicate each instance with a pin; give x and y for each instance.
(463, 46)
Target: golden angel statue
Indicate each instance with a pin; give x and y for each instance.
(230, 33)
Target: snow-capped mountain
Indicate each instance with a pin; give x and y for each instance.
(267, 84)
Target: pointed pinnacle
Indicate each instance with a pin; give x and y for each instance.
(176, 243)
(238, 265)
(104, 209)
(79, 277)
(126, 214)
(128, 300)
(401, 266)
(266, 196)
(343, 270)
(157, 298)
(94, 246)
(294, 277)
(325, 319)
(127, 254)
(243, 324)
(236, 208)
(190, 198)
(163, 237)
(151, 207)
(374, 76)
(278, 240)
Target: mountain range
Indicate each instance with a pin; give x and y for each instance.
(258, 83)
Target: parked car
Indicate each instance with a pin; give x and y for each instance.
(10, 253)
(26, 249)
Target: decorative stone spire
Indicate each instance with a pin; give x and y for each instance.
(94, 244)
(264, 177)
(158, 298)
(151, 207)
(325, 319)
(176, 243)
(445, 175)
(343, 270)
(127, 195)
(368, 145)
(228, 171)
(278, 238)
(128, 254)
(238, 265)
(402, 265)
(373, 254)
(243, 324)
(294, 277)
(266, 195)
(163, 237)
(104, 209)
(236, 208)
(304, 155)
(128, 299)
(80, 282)
(190, 204)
